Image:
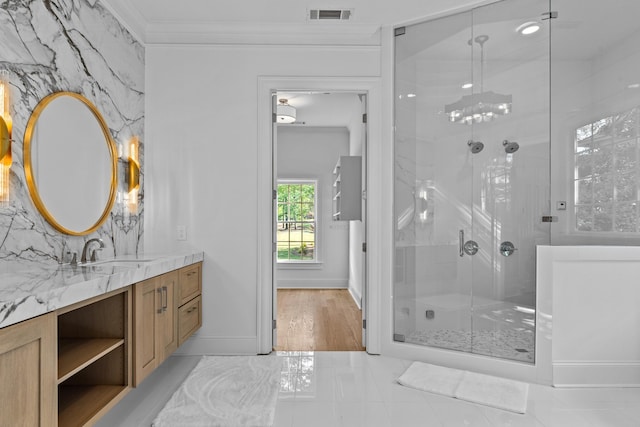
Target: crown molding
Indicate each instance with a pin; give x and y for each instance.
(260, 33)
(307, 33)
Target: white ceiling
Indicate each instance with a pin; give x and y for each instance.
(335, 109)
(163, 21)
(594, 27)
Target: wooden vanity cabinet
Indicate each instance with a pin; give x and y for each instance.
(28, 373)
(167, 311)
(155, 319)
(69, 367)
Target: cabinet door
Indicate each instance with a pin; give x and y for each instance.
(169, 315)
(28, 373)
(147, 304)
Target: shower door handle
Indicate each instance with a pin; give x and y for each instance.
(470, 247)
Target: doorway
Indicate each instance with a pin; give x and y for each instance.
(319, 220)
(379, 192)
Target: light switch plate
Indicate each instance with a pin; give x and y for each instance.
(182, 232)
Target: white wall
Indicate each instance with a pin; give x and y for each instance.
(312, 153)
(202, 150)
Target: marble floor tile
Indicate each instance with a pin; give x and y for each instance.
(334, 389)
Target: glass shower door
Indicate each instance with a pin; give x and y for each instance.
(511, 180)
(433, 185)
(472, 178)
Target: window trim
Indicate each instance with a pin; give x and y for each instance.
(307, 263)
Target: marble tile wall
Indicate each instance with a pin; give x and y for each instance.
(68, 45)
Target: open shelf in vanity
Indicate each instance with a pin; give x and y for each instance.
(94, 357)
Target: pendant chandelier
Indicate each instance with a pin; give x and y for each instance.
(479, 107)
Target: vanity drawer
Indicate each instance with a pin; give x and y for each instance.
(189, 319)
(190, 283)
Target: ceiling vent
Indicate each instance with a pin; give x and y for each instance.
(330, 14)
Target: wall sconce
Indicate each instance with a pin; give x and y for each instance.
(6, 125)
(132, 175)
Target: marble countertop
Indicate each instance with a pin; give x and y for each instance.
(28, 290)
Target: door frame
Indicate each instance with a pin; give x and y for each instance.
(372, 86)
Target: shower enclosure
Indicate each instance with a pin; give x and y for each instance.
(472, 178)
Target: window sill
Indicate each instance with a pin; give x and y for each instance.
(309, 265)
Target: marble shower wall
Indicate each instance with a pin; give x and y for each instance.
(68, 45)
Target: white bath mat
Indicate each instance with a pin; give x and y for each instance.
(225, 391)
(483, 389)
(432, 378)
(492, 391)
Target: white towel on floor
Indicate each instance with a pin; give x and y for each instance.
(432, 378)
(483, 389)
(493, 391)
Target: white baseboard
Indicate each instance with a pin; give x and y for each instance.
(596, 374)
(222, 346)
(313, 284)
(357, 298)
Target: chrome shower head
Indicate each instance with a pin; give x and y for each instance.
(475, 146)
(510, 147)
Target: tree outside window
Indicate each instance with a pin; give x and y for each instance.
(296, 221)
(607, 174)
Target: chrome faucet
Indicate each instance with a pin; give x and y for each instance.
(83, 259)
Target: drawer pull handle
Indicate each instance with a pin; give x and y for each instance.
(166, 298)
(194, 308)
(161, 306)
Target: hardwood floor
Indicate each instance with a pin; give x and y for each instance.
(319, 320)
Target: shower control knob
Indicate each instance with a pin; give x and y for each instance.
(507, 248)
(470, 247)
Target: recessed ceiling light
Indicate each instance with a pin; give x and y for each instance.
(467, 86)
(634, 86)
(411, 95)
(528, 28)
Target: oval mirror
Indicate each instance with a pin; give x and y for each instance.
(70, 162)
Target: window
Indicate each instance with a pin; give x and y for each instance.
(296, 221)
(607, 173)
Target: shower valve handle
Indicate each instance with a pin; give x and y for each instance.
(507, 248)
(469, 247)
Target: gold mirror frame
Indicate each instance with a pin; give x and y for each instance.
(28, 167)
